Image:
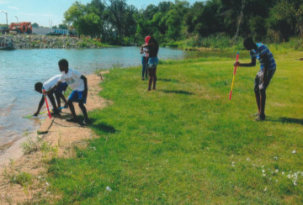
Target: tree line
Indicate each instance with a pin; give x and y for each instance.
(116, 22)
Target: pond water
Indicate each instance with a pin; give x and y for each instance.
(21, 69)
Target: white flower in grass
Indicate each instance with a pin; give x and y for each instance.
(108, 189)
(263, 171)
(275, 158)
(276, 171)
(248, 159)
(294, 151)
(265, 189)
(233, 164)
(283, 173)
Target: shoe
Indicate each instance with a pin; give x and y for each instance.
(85, 122)
(72, 120)
(260, 118)
(56, 113)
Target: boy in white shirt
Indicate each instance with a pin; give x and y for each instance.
(49, 88)
(78, 83)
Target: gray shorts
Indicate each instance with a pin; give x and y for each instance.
(259, 85)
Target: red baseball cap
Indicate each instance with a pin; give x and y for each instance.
(147, 38)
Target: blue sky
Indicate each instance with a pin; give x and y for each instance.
(50, 12)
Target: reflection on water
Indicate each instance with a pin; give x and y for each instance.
(21, 69)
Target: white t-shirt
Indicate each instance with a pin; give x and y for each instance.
(73, 79)
(50, 83)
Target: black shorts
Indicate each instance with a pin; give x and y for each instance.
(259, 80)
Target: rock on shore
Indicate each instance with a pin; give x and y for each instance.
(24, 41)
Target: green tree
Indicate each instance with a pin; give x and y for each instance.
(73, 16)
(35, 25)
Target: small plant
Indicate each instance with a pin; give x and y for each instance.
(30, 146)
(24, 179)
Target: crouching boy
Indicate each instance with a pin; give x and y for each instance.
(50, 88)
(78, 84)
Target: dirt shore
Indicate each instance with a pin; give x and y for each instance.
(23, 171)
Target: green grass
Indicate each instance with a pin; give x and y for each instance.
(186, 143)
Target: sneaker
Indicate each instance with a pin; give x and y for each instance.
(55, 113)
(260, 118)
(72, 120)
(85, 122)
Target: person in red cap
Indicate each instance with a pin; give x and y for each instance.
(144, 59)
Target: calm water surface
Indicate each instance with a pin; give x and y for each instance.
(21, 69)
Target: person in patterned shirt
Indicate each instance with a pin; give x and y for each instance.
(267, 70)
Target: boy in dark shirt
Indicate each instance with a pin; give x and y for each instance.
(153, 48)
(267, 70)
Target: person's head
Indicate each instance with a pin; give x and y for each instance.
(249, 44)
(63, 65)
(153, 40)
(147, 38)
(38, 87)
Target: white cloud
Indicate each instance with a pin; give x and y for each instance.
(3, 2)
(38, 14)
(13, 8)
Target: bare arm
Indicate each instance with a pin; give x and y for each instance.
(85, 85)
(85, 82)
(251, 64)
(41, 103)
(266, 65)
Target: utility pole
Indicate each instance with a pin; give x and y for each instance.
(239, 20)
(5, 15)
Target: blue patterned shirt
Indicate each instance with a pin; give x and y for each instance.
(261, 51)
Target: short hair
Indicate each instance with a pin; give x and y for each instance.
(63, 63)
(153, 40)
(38, 87)
(249, 43)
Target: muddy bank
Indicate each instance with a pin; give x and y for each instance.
(31, 164)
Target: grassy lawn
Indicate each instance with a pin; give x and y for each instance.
(186, 143)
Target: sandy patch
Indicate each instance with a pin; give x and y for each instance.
(23, 176)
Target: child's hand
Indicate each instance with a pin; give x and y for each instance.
(237, 63)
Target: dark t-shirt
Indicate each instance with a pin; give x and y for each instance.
(153, 49)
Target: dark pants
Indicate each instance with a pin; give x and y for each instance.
(51, 98)
(144, 67)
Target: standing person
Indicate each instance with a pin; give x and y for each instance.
(49, 88)
(153, 48)
(267, 69)
(78, 83)
(144, 58)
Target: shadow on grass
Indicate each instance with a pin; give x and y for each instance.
(289, 120)
(168, 80)
(183, 92)
(103, 127)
